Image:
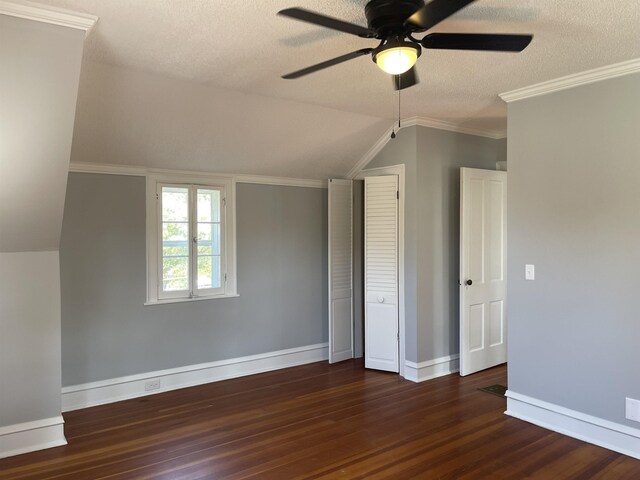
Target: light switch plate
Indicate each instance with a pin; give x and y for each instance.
(529, 272)
(632, 410)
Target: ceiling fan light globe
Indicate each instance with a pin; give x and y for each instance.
(397, 60)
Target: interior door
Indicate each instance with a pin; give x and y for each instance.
(483, 247)
(340, 226)
(381, 272)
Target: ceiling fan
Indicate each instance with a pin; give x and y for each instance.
(393, 23)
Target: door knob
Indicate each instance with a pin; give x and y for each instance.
(469, 282)
(380, 299)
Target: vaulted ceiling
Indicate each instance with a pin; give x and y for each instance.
(321, 124)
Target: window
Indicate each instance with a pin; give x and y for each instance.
(190, 239)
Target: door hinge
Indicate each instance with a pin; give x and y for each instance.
(397, 194)
(225, 278)
(224, 202)
(157, 197)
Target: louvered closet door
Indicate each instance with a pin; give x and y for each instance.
(381, 272)
(340, 270)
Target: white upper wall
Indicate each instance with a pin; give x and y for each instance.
(129, 117)
(38, 90)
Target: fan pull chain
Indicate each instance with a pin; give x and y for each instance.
(399, 92)
(393, 130)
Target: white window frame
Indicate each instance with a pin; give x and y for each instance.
(227, 186)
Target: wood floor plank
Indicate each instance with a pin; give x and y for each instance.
(317, 421)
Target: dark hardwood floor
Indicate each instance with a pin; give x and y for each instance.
(317, 421)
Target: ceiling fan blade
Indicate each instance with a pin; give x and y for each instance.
(327, 63)
(328, 22)
(434, 12)
(477, 41)
(406, 79)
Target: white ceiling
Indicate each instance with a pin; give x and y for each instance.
(244, 46)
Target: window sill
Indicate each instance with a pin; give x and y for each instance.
(195, 299)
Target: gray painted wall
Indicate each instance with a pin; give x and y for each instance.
(29, 337)
(441, 154)
(39, 71)
(502, 150)
(574, 165)
(106, 330)
(433, 159)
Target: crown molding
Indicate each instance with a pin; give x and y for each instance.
(109, 169)
(372, 152)
(422, 122)
(48, 14)
(453, 127)
(574, 80)
(290, 182)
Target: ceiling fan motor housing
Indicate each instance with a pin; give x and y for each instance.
(387, 17)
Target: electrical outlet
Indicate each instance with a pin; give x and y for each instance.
(152, 385)
(632, 410)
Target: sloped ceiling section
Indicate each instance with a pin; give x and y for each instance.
(129, 117)
(213, 48)
(39, 72)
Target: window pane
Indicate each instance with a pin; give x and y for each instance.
(209, 238)
(209, 271)
(175, 273)
(175, 249)
(205, 248)
(175, 239)
(204, 233)
(208, 205)
(175, 232)
(216, 238)
(175, 256)
(175, 204)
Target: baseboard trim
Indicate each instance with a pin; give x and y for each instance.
(604, 433)
(31, 436)
(133, 386)
(423, 371)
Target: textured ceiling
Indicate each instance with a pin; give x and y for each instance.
(244, 46)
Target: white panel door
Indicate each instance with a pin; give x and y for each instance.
(340, 270)
(381, 272)
(483, 249)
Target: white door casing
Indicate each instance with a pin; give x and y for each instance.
(381, 272)
(483, 247)
(340, 226)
